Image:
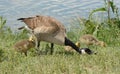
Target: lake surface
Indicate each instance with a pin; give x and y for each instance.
(63, 10)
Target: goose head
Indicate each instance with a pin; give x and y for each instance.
(87, 51)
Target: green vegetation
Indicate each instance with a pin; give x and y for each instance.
(106, 61)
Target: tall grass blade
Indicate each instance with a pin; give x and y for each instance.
(102, 9)
(2, 22)
(112, 6)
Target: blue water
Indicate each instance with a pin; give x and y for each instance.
(63, 10)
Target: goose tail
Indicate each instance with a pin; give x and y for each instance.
(21, 19)
(20, 28)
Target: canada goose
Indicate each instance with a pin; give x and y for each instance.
(48, 29)
(24, 45)
(91, 40)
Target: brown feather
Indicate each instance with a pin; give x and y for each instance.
(46, 21)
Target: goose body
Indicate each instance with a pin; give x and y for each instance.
(48, 29)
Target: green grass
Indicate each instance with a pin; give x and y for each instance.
(107, 61)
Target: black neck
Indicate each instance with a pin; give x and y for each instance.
(70, 43)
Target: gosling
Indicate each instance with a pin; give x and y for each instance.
(24, 45)
(91, 40)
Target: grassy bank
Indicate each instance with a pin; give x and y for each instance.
(105, 62)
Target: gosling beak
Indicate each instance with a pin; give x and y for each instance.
(86, 50)
(30, 38)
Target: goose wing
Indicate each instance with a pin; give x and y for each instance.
(43, 24)
(46, 29)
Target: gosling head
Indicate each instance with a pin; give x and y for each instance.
(102, 43)
(32, 38)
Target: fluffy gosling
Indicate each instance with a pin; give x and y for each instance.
(91, 40)
(24, 45)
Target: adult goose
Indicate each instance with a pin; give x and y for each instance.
(48, 29)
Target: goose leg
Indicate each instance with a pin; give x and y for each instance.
(38, 44)
(52, 45)
(25, 53)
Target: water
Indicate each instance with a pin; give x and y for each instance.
(63, 10)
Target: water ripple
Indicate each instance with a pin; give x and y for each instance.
(61, 9)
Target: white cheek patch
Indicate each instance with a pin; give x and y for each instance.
(83, 52)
